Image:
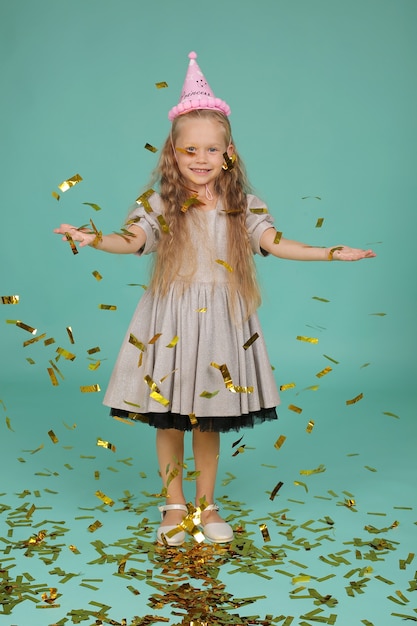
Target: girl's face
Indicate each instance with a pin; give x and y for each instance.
(199, 148)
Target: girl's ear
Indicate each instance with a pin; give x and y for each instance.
(230, 150)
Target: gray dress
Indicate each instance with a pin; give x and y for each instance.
(183, 359)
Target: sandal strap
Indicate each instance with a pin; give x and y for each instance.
(171, 507)
(212, 507)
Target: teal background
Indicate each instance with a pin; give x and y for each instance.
(323, 98)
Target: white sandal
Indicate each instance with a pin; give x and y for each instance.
(179, 537)
(217, 532)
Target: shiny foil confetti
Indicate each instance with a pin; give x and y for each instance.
(52, 376)
(310, 427)
(71, 243)
(107, 307)
(279, 442)
(55, 195)
(209, 394)
(307, 339)
(53, 437)
(295, 408)
(193, 201)
(320, 299)
(355, 399)
(106, 444)
(95, 526)
(287, 386)
(277, 237)
(70, 334)
(104, 498)
(135, 342)
(275, 490)
(154, 338)
(151, 148)
(97, 275)
(164, 226)
(66, 354)
(319, 222)
(173, 342)
(10, 299)
(162, 85)
(250, 341)
(158, 397)
(264, 531)
(143, 200)
(323, 372)
(26, 327)
(70, 182)
(259, 211)
(94, 206)
(226, 265)
(49, 342)
(93, 350)
(89, 388)
(228, 381)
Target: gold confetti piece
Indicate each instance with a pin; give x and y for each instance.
(159, 398)
(10, 299)
(202, 310)
(67, 355)
(318, 470)
(323, 372)
(55, 195)
(298, 483)
(275, 490)
(8, 424)
(265, 533)
(294, 408)
(378, 314)
(104, 498)
(94, 366)
(52, 376)
(391, 414)
(97, 275)
(310, 426)
(193, 201)
(154, 338)
(49, 341)
(164, 226)
(250, 341)
(89, 388)
(209, 394)
(279, 442)
(29, 329)
(95, 526)
(161, 85)
(355, 399)
(319, 222)
(193, 419)
(287, 386)
(173, 342)
(69, 182)
(93, 350)
(320, 299)
(240, 450)
(226, 265)
(277, 237)
(228, 381)
(106, 444)
(96, 207)
(53, 437)
(135, 342)
(259, 211)
(71, 243)
(307, 339)
(107, 307)
(151, 148)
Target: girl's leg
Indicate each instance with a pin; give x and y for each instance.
(170, 451)
(206, 448)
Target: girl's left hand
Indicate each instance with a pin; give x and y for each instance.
(345, 253)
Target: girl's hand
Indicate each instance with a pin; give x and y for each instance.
(344, 253)
(84, 237)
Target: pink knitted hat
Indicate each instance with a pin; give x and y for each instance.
(196, 93)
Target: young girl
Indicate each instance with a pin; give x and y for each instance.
(194, 356)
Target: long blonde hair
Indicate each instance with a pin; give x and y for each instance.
(231, 186)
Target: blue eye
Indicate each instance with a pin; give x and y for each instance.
(190, 149)
(212, 149)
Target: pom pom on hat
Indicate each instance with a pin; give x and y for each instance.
(197, 93)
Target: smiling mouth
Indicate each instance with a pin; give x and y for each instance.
(199, 171)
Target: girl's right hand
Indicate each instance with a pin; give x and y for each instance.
(84, 237)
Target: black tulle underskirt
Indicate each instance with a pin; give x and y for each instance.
(205, 424)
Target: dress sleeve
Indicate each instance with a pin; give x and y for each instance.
(258, 220)
(145, 215)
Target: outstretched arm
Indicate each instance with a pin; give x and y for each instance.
(296, 251)
(114, 243)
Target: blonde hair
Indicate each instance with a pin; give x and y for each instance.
(231, 186)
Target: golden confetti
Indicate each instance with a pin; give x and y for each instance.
(49, 341)
(378, 314)
(323, 372)
(161, 380)
(277, 237)
(332, 251)
(104, 498)
(159, 398)
(8, 424)
(96, 207)
(95, 526)
(71, 243)
(391, 414)
(202, 310)
(307, 339)
(143, 199)
(259, 211)
(226, 265)
(154, 338)
(228, 381)
(287, 386)
(70, 182)
(173, 342)
(319, 222)
(89, 388)
(330, 359)
(52, 376)
(66, 354)
(161, 85)
(298, 483)
(106, 444)
(135, 342)
(275, 490)
(70, 335)
(240, 450)
(317, 470)
(294, 408)
(164, 226)
(26, 327)
(209, 394)
(97, 275)
(192, 201)
(10, 299)
(93, 350)
(151, 148)
(194, 421)
(279, 442)
(107, 307)
(53, 437)
(55, 195)
(265, 533)
(310, 426)
(250, 341)
(74, 549)
(355, 399)
(320, 299)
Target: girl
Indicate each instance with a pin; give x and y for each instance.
(194, 356)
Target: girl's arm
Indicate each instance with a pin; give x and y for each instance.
(116, 244)
(296, 251)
